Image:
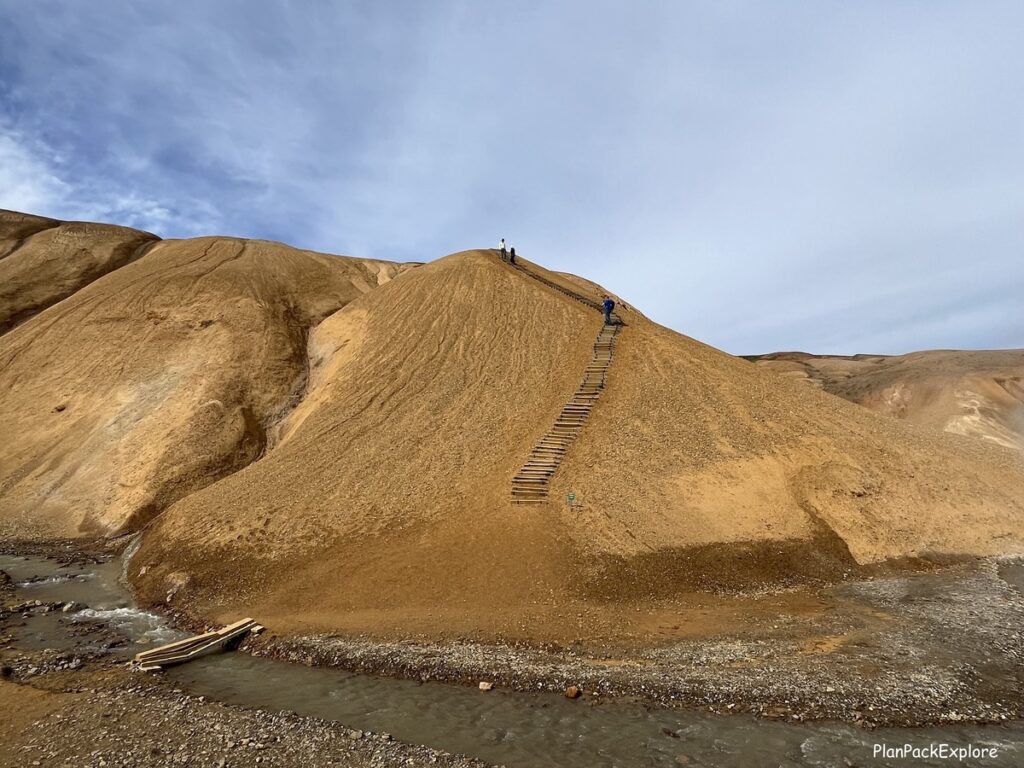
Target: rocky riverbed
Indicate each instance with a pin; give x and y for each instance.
(83, 704)
(102, 716)
(941, 647)
(937, 648)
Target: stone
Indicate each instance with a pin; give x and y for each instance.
(485, 685)
(573, 692)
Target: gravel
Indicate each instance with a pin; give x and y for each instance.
(937, 648)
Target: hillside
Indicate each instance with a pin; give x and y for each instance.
(386, 506)
(304, 438)
(43, 260)
(974, 393)
(157, 378)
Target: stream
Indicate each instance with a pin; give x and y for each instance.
(520, 730)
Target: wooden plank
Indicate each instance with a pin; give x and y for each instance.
(185, 650)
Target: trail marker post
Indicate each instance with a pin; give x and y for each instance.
(570, 498)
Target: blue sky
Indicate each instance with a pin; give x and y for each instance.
(826, 176)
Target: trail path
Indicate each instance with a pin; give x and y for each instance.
(530, 485)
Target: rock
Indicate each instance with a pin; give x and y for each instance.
(355, 735)
(485, 685)
(572, 692)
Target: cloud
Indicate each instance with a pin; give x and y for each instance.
(27, 180)
(34, 178)
(799, 175)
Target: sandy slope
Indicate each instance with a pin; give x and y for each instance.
(303, 439)
(157, 378)
(386, 503)
(974, 393)
(43, 260)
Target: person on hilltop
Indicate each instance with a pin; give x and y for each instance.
(512, 255)
(608, 306)
(501, 248)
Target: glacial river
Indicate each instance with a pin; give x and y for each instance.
(520, 730)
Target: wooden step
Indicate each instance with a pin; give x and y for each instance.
(530, 485)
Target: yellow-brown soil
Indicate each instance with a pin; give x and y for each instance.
(43, 260)
(974, 393)
(387, 501)
(304, 439)
(158, 379)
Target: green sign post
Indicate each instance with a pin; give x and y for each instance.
(571, 498)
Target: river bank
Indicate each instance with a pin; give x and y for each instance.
(66, 668)
(918, 650)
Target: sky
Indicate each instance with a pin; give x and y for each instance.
(831, 177)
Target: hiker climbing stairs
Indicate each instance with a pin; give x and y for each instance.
(530, 485)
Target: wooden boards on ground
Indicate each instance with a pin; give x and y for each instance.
(186, 650)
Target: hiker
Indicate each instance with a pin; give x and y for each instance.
(501, 248)
(608, 306)
(512, 255)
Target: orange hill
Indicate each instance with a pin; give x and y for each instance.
(329, 443)
(158, 378)
(975, 393)
(43, 260)
(388, 500)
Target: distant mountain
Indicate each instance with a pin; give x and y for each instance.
(974, 393)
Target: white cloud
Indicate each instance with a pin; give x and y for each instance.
(760, 176)
(27, 180)
(34, 179)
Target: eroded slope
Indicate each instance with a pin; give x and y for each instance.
(158, 378)
(975, 393)
(43, 261)
(387, 502)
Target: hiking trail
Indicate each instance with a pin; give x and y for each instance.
(530, 484)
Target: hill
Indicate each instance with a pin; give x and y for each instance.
(386, 506)
(157, 378)
(974, 393)
(307, 439)
(44, 260)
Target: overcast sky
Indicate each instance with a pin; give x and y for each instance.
(824, 176)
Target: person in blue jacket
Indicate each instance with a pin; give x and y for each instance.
(608, 306)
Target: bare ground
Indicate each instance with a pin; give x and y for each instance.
(909, 650)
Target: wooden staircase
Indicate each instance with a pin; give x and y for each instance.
(530, 485)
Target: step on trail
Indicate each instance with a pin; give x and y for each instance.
(530, 484)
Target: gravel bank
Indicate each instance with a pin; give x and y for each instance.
(943, 647)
